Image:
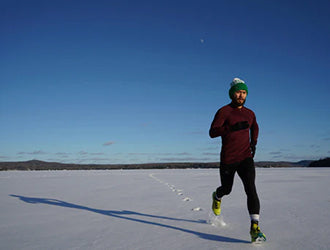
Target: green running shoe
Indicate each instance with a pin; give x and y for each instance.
(216, 205)
(256, 235)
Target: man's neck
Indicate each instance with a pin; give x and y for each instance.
(235, 105)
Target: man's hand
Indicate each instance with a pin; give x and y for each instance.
(239, 126)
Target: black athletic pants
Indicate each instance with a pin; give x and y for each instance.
(246, 171)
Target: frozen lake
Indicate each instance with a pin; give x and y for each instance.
(160, 209)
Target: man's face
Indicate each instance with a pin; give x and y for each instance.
(239, 97)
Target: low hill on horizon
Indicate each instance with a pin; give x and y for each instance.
(43, 165)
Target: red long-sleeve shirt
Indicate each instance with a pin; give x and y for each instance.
(235, 144)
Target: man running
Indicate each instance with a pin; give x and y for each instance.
(238, 129)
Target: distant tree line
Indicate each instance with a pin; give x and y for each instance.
(320, 163)
(41, 165)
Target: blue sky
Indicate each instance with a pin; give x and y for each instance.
(140, 81)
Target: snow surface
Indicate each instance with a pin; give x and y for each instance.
(160, 209)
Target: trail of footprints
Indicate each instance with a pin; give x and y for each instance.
(216, 221)
(178, 192)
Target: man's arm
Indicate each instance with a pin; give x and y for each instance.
(254, 135)
(254, 131)
(218, 127)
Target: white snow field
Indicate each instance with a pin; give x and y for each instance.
(160, 209)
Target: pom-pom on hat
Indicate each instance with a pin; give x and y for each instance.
(235, 85)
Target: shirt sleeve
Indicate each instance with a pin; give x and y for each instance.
(254, 131)
(218, 126)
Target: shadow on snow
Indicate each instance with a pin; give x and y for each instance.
(123, 214)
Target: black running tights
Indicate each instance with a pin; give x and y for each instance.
(246, 171)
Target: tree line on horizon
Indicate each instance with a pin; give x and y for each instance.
(42, 165)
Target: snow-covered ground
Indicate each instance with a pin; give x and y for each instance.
(160, 209)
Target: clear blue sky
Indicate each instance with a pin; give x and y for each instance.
(140, 81)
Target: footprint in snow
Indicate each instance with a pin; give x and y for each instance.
(186, 199)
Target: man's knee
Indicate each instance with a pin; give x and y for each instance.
(221, 191)
(251, 190)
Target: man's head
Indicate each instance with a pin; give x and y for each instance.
(238, 91)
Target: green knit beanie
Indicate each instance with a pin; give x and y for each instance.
(237, 84)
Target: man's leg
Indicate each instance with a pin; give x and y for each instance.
(246, 172)
(227, 173)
